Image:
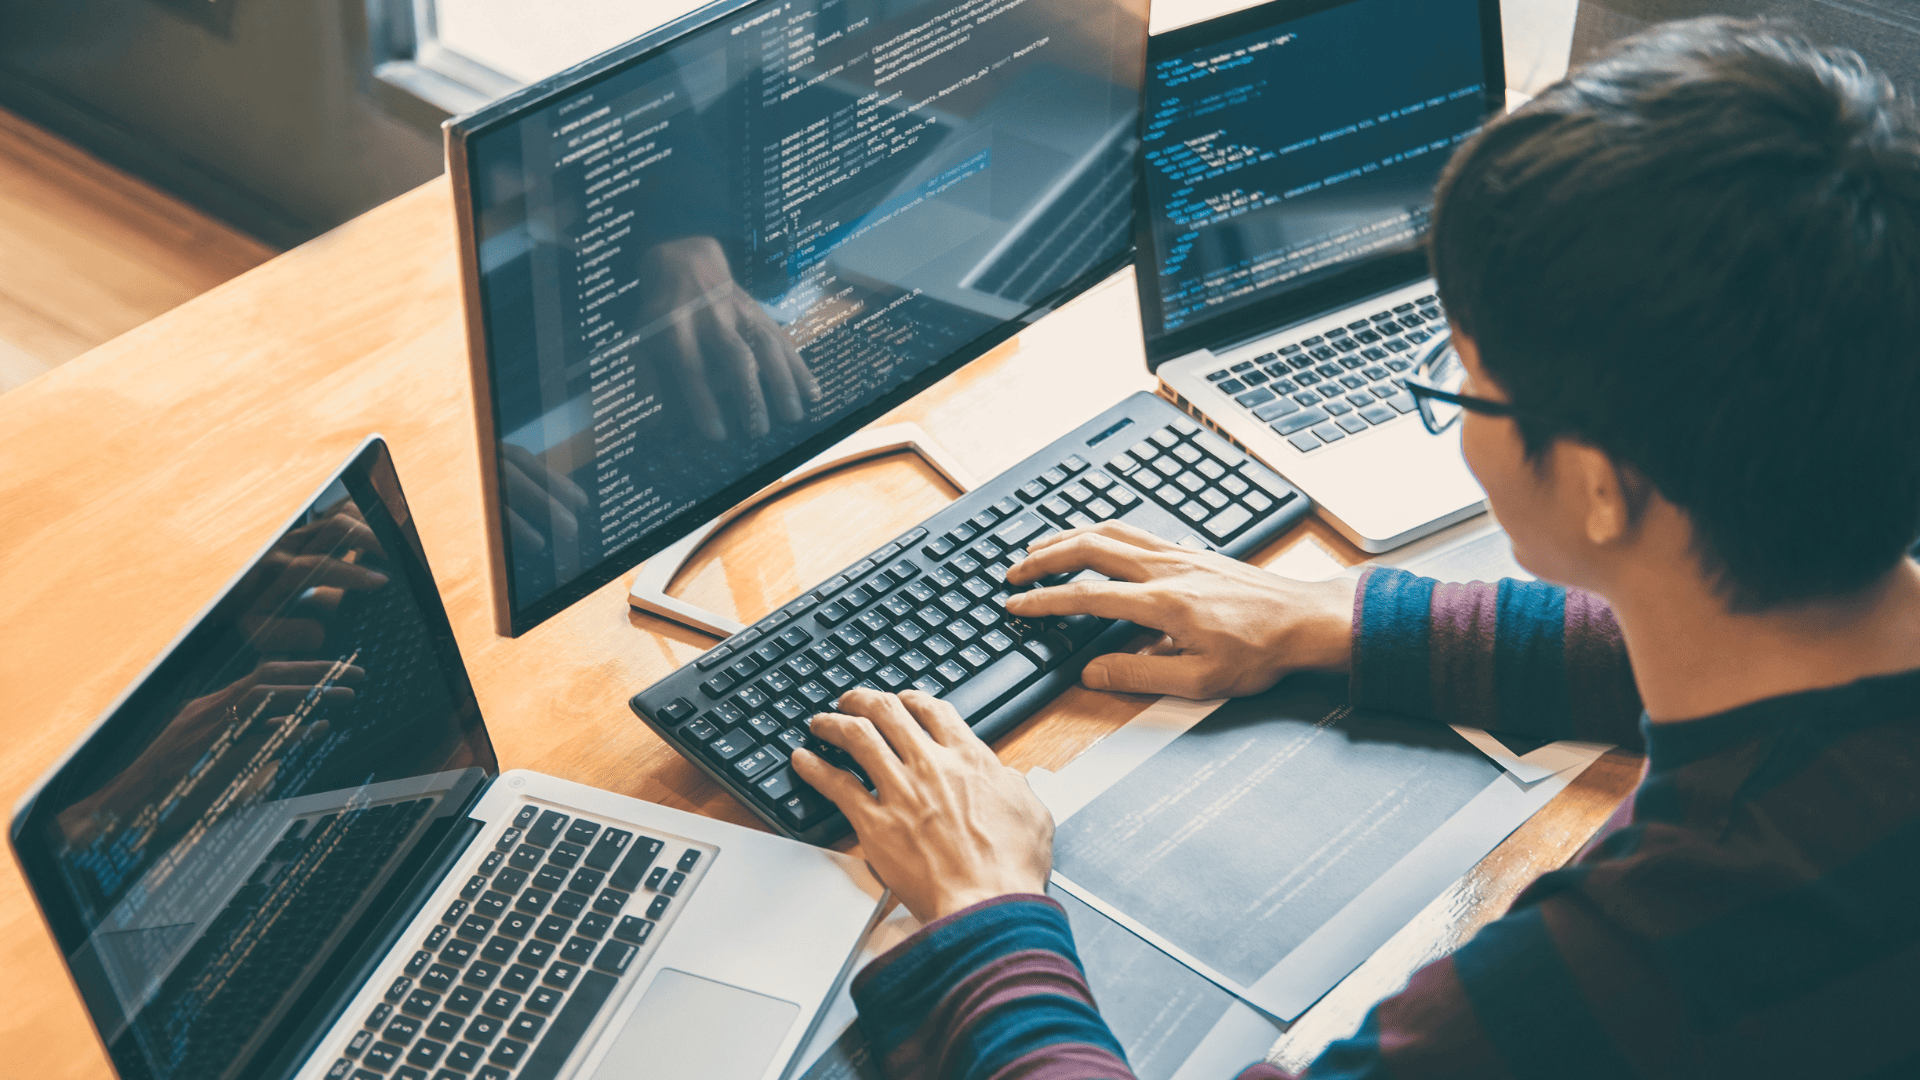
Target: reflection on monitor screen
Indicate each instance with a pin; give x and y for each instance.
(694, 260)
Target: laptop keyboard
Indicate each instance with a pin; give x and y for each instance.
(1338, 385)
(512, 975)
(928, 610)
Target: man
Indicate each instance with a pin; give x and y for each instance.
(1685, 284)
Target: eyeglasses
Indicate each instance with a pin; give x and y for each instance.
(1435, 382)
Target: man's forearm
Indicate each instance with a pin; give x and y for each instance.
(1515, 656)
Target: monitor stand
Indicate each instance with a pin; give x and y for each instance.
(649, 590)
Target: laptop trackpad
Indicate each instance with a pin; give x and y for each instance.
(690, 1026)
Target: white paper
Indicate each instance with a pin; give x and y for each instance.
(898, 926)
(1536, 764)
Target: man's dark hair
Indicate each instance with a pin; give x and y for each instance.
(1701, 254)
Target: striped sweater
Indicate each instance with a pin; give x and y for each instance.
(1756, 914)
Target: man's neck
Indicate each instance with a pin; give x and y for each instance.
(1693, 658)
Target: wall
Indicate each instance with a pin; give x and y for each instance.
(261, 112)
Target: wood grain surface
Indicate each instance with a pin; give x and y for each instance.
(137, 479)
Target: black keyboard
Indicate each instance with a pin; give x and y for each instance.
(507, 981)
(1338, 385)
(928, 610)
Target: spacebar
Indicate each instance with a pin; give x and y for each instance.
(991, 683)
(576, 1016)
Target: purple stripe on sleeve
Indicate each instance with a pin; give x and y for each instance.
(1603, 702)
(1004, 980)
(1461, 651)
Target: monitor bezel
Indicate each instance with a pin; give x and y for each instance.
(368, 469)
(512, 620)
(1368, 277)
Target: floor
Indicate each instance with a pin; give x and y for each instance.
(88, 252)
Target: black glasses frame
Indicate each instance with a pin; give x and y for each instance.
(1425, 393)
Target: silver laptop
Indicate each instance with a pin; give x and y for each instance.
(1289, 156)
(287, 851)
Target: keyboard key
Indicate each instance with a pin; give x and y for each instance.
(426, 1053)
(802, 809)
(1329, 433)
(518, 978)
(614, 957)
(554, 927)
(776, 785)
(465, 1056)
(1304, 441)
(525, 857)
(401, 1030)
(1300, 421)
(639, 856)
(508, 1053)
(536, 952)
(482, 1029)
(526, 1026)
(548, 829)
(593, 925)
(659, 905)
(382, 1055)
(676, 710)
(1352, 424)
(1259, 395)
(578, 950)
(570, 903)
(635, 929)
(1379, 414)
(731, 745)
(543, 999)
(1227, 522)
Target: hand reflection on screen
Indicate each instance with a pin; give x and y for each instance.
(727, 353)
(176, 776)
(543, 506)
(211, 747)
(286, 599)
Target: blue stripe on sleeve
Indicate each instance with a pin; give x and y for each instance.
(1530, 1006)
(1390, 644)
(1020, 1027)
(1530, 658)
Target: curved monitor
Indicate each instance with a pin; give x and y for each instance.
(700, 259)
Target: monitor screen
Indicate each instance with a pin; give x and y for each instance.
(699, 260)
(218, 849)
(1287, 154)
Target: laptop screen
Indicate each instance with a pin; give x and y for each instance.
(1295, 142)
(700, 260)
(214, 853)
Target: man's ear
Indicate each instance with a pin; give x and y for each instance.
(1599, 483)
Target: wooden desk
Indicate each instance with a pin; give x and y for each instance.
(135, 480)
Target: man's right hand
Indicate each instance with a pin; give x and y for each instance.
(1231, 629)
